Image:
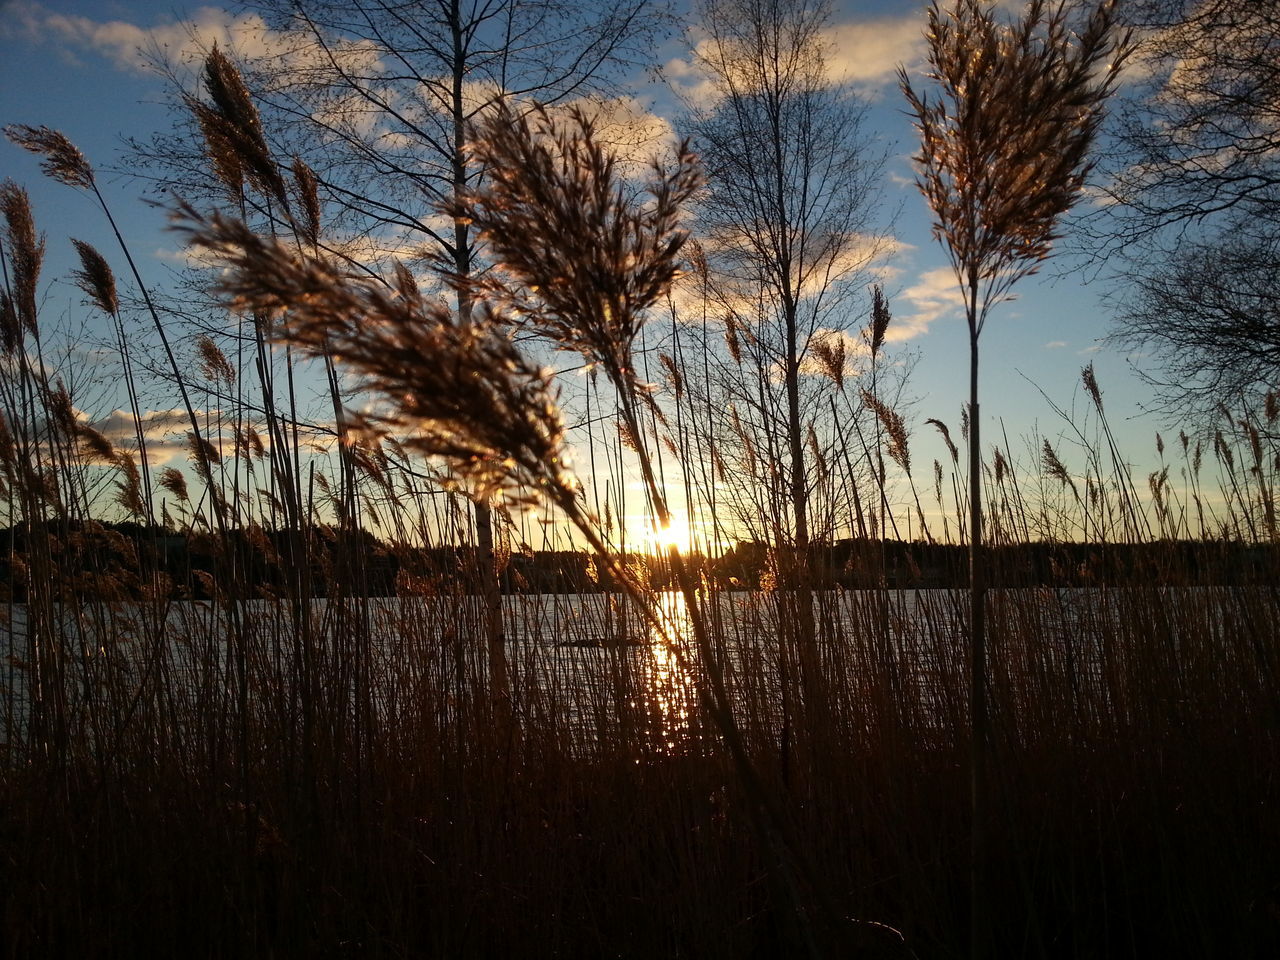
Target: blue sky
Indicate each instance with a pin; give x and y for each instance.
(74, 66)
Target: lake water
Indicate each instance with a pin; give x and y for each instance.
(590, 659)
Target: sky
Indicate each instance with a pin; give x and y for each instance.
(76, 67)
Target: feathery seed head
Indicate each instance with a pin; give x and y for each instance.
(731, 339)
(673, 374)
(96, 279)
(895, 427)
(1052, 465)
(1055, 468)
(831, 354)
(458, 390)
(93, 445)
(62, 160)
(305, 179)
(582, 262)
(10, 326)
(1091, 385)
(880, 317)
(129, 488)
(172, 480)
(233, 133)
(25, 249)
(946, 438)
(214, 365)
(1005, 140)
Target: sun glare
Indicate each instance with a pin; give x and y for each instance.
(675, 534)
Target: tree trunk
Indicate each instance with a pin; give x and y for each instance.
(486, 566)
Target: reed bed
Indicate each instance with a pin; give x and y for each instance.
(252, 752)
(388, 809)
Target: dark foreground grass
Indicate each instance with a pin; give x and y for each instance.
(1133, 812)
(266, 774)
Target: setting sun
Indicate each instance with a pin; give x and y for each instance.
(675, 534)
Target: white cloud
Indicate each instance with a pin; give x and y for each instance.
(156, 424)
(1055, 344)
(691, 80)
(934, 295)
(867, 53)
(188, 256)
(167, 432)
(183, 42)
(164, 431)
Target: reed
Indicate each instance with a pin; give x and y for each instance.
(1004, 154)
(187, 768)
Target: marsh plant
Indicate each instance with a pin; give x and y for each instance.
(1004, 153)
(252, 706)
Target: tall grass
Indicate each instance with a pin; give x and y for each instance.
(291, 766)
(1004, 155)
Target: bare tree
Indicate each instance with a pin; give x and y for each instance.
(1194, 184)
(788, 225)
(1209, 317)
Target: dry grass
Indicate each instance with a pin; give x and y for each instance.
(293, 767)
(1004, 152)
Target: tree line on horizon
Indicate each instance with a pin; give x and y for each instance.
(104, 561)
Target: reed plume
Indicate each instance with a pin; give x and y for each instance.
(62, 161)
(580, 261)
(1055, 468)
(25, 248)
(894, 426)
(1005, 141)
(96, 278)
(1005, 144)
(214, 364)
(172, 480)
(459, 391)
(233, 133)
(945, 433)
(830, 355)
(308, 193)
(880, 319)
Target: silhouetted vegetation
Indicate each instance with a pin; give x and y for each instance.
(295, 697)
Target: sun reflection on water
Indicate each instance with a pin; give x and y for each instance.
(671, 687)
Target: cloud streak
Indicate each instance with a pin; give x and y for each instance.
(861, 54)
(867, 53)
(934, 295)
(131, 47)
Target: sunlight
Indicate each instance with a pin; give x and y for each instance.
(676, 534)
(671, 687)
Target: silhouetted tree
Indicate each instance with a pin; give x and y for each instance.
(1194, 191)
(788, 228)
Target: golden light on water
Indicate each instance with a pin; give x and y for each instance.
(671, 686)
